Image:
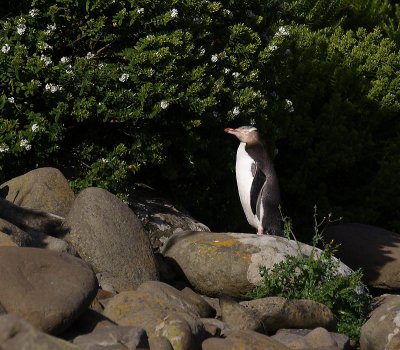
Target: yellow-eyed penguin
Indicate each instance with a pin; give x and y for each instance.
(257, 182)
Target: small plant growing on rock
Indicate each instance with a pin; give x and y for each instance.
(315, 277)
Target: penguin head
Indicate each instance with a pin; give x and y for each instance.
(246, 134)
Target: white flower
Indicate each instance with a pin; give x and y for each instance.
(89, 55)
(4, 148)
(68, 70)
(53, 87)
(282, 31)
(101, 65)
(235, 74)
(289, 106)
(21, 28)
(44, 46)
(202, 51)
(36, 82)
(227, 70)
(46, 60)
(174, 13)
(25, 144)
(140, 11)
(51, 28)
(272, 47)
(227, 12)
(236, 111)
(33, 12)
(164, 104)
(11, 99)
(65, 59)
(6, 48)
(104, 160)
(124, 77)
(214, 58)
(34, 127)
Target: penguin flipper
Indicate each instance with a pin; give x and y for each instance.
(256, 187)
(268, 210)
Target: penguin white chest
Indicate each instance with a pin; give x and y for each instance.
(244, 178)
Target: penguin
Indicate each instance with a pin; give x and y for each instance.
(257, 182)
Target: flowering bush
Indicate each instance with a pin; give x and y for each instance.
(86, 81)
(136, 90)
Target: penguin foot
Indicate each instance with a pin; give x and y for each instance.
(260, 231)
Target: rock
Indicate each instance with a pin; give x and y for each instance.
(180, 330)
(48, 289)
(6, 241)
(162, 311)
(203, 307)
(382, 329)
(244, 340)
(217, 264)
(382, 247)
(159, 217)
(277, 312)
(214, 326)
(160, 343)
(17, 334)
(116, 338)
(239, 317)
(316, 339)
(107, 234)
(44, 189)
(293, 338)
(34, 238)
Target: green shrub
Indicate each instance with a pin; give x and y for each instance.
(315, 277)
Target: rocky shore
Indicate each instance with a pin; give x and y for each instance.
(145, 275)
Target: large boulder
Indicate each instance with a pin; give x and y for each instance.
(48, 289)
(382, 330)
(159, 216)
(108, 235)
(315, 339)
(375, 250)
(228, 264)
(242, 339)
(278, 312)
(162, 311)
(17, 334)
(44, 189)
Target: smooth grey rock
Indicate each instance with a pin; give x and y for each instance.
(290, 336)
(278, 312)
(44, 189)
(48, 289)
(113, 338)
(162, 311)
(218, 264)
(382, 329)
(239, 317)
(357, 241)
(108, 235)
(159, 216)
(242, 339)
(17, 334)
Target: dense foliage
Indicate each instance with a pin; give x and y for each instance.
(119, 91)
(315, 277)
